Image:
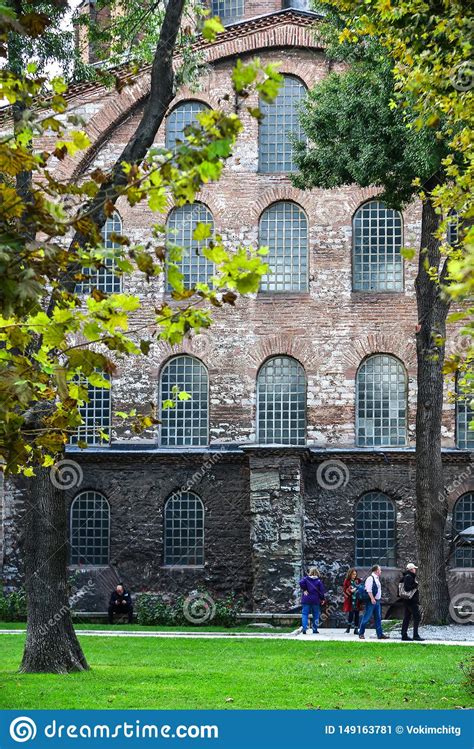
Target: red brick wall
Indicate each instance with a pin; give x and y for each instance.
(330, 329)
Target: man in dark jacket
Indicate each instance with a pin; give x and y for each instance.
(120, 603)
(412, 605)
(313, 594)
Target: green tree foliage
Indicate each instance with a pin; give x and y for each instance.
(43, 369)
(34, 31)
(430, 48)
(358, 136)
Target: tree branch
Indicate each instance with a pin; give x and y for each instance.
(161, 94)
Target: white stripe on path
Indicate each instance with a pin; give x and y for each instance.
(330, 635)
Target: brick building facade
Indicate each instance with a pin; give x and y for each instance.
(297, 446)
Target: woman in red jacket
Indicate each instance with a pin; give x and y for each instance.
(351, 605)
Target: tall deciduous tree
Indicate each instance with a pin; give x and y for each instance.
(42, 311)
(430, 45)
(358, 135)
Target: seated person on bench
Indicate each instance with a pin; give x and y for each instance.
(120, 603)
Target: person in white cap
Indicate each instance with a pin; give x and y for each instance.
(409, 587)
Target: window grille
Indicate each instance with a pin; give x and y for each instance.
(281, 402)
(96, 415)
(184, 530)
(280, 124)
(182, 222)
(229, 11)
(180, 117)
(89, 529)
(463, 517)
(381, 391)
(104, 279)
(284, 230)
(378, 264)
(375, 530)
(185, 424)
(464, 416)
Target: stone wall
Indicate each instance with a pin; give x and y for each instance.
(335, 482)
(137, 487)
(270, 514)
(277, 528)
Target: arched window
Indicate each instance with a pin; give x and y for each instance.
(96, 415)
(463, 517)
(381, 391)
(89, 529)
(378, 264)
(375, 530)
(184, 530)
(186, 423)
(229, 11)
(284, 230)
(185, 251)
(180, 117)
(279, 125)
(281, 402)
(464, 417)
(104, 279)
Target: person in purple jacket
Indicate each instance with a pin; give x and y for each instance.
(313, 596)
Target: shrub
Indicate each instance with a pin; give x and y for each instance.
(227, 610)
(153, 609)
(12, 606)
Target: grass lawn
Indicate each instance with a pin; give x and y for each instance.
(244, 674)
(122, 626)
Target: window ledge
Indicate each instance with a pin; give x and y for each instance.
(271, 295)
(377, 292)
(182, 567)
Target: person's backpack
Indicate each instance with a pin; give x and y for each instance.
(361, 592)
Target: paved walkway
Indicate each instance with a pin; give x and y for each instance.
(339, 635)
(325, 635)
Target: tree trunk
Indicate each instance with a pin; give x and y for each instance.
(51, 643)
(431, 503)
